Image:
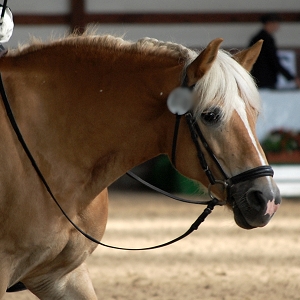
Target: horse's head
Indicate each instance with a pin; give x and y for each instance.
(225, 109)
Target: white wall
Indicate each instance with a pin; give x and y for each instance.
(62, 6)
(199, 35)
(39, 6)
(191, 5)
(235, 35)
(193, 35)
(22, 34)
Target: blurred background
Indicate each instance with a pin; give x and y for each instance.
(193, 23)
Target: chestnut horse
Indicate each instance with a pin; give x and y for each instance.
(92, 107)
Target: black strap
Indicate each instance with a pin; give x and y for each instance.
(200, 219)
(156, 189)
(254, 173)
(202, 160)
(4, 6)
(193, 227)
(175, 136)
(197, 133)
(260, 171)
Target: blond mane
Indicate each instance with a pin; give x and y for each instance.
(226, 84)
(145, 45)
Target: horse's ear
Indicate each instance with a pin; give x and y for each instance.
(248, 57)
(203, 62)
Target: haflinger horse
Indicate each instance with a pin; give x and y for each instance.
(92, 107)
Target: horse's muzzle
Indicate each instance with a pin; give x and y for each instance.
(254, 202)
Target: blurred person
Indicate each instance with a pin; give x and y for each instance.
(268, 65)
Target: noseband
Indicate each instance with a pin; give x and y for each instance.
(197, 135)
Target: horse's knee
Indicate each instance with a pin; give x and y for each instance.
(4, 281)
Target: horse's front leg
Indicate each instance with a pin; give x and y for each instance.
(4, 282)
(74, 285)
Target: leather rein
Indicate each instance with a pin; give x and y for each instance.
(196, 135)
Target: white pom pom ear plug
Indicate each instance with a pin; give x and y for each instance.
(180, 101)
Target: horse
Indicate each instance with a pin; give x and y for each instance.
(92, 107)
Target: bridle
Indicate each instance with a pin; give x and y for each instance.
(197, 135)
(210, 204)
(227, 182)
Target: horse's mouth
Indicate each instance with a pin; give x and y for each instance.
(251, 209)
(239, 218)
(242, 210)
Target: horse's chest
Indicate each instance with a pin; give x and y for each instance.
(57, 255)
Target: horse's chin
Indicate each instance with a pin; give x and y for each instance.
(240, 220)
(245, 218)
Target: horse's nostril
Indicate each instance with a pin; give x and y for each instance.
(256, 200)
(251, 204)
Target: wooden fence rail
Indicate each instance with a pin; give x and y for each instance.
(79, 19)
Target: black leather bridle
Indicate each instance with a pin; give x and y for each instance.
(227, 181)
(210, 204)
(197, 135)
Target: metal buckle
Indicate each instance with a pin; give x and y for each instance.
(224, 183)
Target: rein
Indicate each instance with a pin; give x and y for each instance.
(210, 204)
(196, 135)
(4, 6)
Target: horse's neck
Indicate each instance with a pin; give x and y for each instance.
(87, 123)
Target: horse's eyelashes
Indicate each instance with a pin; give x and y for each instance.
(211, 116)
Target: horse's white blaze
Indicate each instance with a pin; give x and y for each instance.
(271, 207)
(241, 110)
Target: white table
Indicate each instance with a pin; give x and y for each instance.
(280, 109)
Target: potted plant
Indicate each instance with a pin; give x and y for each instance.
(282, 146)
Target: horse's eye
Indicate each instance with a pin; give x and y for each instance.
(212, 116)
